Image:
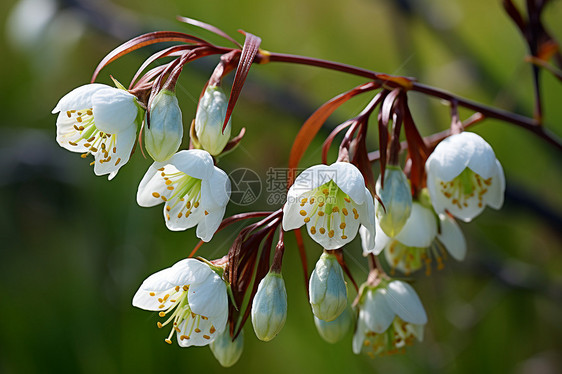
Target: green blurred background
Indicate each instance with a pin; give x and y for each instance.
(75, 247)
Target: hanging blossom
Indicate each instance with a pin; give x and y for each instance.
(333, 202)
(100, 120)
(463, 176)
(391, 316)
(191, 296)
(424, 238)
(193, 190)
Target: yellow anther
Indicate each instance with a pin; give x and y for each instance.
(196, 205)
(118, 161)
(160, 325)
(313, 230)
(114, 149)
(91, 139)
(185, 287)
(321, 204)
(188, 205)
(180, 214)
(161, 306)
(177, 329)
(89, 112)
(304, 200)
(342, 225)
(168, 208)
(84, 155)
(160, 300)
(72, 143)
(344, 211)
(76, 128)
(168, 182)
(152, 294)
(168, 216)
(79, 119)
(162, 314)
(187, 214)
(68, 114)
(312, 200)
(320, 213)
(164, 198)
(331, 233)
(156, 194)
(161, 169)
(87, 145)
(206, 337)
(166, 297)
(325, 191)
(335, 209)
(197, 330)
(92, 163)
(171, 188)
(344, 236)
(303, 213)
(306, 219)
(322, 230)
(206, 213)
(347, 199)
(168, 341)
(212, 330)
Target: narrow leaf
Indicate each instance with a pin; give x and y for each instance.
(211, 28)
(143, 41)
(249, 52)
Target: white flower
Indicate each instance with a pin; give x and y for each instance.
(333, 201)
(209, 120)
(327, 290)
(226, 351)
(193, 190)
(463, 176)
(269, 307)
(335, 330)
(99, 120)
(164, 136)
(192, 296)
(397, 199)
(391, 316)
(424, 236)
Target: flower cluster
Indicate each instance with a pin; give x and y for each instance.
(406, 217)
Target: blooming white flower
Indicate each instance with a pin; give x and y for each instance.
(463, 176)
(397, 199)
(424, 236)
(332, 201)
(327, 290)
(209, 120)
(100, 120)
(391, 316)
(193, 190)
(194, 298)
(334, 331)
(269, 307)
(164, 136)
(226, 351)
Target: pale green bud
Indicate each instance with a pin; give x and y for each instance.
(397, 199)
(269, 308)
(226, 351)
(335, 330)
(210, 119)
(164, 136)
(327, 290)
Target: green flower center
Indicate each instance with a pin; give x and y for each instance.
(398, 335)
(464, 187)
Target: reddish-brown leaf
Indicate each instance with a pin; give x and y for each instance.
(211, 28)
(249, 51)
(143, 41)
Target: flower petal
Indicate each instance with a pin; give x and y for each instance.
(209, 223)
(219, 187)
(495, 195)
(311, 178)
(123, 146)
(420, 228)
(208, 298)
(449, 158)
(114, 110)
(79, 98)
(452, 237)
(482, 160)
(67, 136)
(194, 162)
(367, 217)
(405, 302)
(378, 314)
(359, 336)
(350, 180)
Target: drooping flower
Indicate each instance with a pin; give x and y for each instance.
(327, 289)
(334, 331)
(332, 201)
(100, 120)
(164, 136)
(463, 176)
(391, 316)
(425, 236)
(397, 199)
(209, 120)
(228, 351)
(269, 307)
(193, 190)
(191, 296)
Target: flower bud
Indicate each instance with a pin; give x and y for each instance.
(269, 308)
(210, 119)
(335, 330)
(327, 291)
(397, 199)
(164, 136)
(226, 351)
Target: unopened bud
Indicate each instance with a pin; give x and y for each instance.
(397, 199)
(164, 136)
(269, 308)
(335, 330)
(226, 351)
(210, 119)
(327, 290)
